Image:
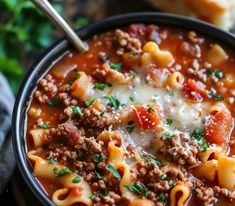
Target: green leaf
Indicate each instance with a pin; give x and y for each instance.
(95, 195)
(76, 180)
(163, 177)
(132, 98)
(98, 157)
(116, 67)
(130, 126)
(53, 102)
(89, 103)
(161, 198)
(115, 173)
(149, 159)
(113, 101)
(45, 126)
(99, 175)
(9, 4)
(169, 121)
(138, 189)
(198, 134)
(77, 75)
(219, 98)
(10, 66)
(81, 22)
(64, 171)
(99, 86)
(168, 135)
(77, 110)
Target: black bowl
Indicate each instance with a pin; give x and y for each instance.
(53, 53)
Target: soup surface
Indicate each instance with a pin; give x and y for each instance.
(144, 118)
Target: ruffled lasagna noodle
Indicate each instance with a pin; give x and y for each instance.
(144, 118)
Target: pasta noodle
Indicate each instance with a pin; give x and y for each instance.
(175, 80)
(183, 191)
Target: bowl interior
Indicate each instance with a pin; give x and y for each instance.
(55, 52)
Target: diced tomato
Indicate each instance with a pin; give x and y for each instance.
(131, 59)
(135, 30)
(219, 126)
(146, 117)
(195, 91)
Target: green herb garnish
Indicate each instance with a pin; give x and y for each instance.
(99, 86)
(168, 135)
(76, 180)
(219, 74)
(198, 134)
(163, 177)
(64, 140)
(98, 157)
(133, 74)
(89, 103)
(138, 189)
(161, 198)
(45, 126)
(77, 110)
(219, 98)
(99, 175)
(130, 126)
(115, 173)
(169, 121)
(95, 195)
(132, 98)
(113, 101)
(116, 67)
(77, 75)
(149, 159)
(64, 171)
(53, 102)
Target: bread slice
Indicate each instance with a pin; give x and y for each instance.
(218, 12)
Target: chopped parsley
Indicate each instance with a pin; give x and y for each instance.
(171, 94)
(132, 98)
(169, 121)
(133, 74)
(161, 198)
(163, 177)
(99, 175)
(217, 73)
(77, 110)
(115, 173)
(204, 145)
(113, 101)
(149, 159)
(101, 114)
(167, 135)
(77, 75)
(99, 86)
(198, 134)
(95, 195)
(219, 98)
(62, 171)
(76, 180)
(45, 126)
(53, 102)
(89, 103)
(130, 126)
(98, 157)
(51, 160)
(138, 189)
(116, 67)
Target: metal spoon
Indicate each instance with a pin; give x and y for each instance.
(52, 14)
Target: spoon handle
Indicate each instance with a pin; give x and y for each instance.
(52, 14)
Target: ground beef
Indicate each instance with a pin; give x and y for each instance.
(224, 192)
(127, 43)
(180, 150)
(205, 195)
(111, 76)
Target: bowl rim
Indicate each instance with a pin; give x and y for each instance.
(30, 80)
